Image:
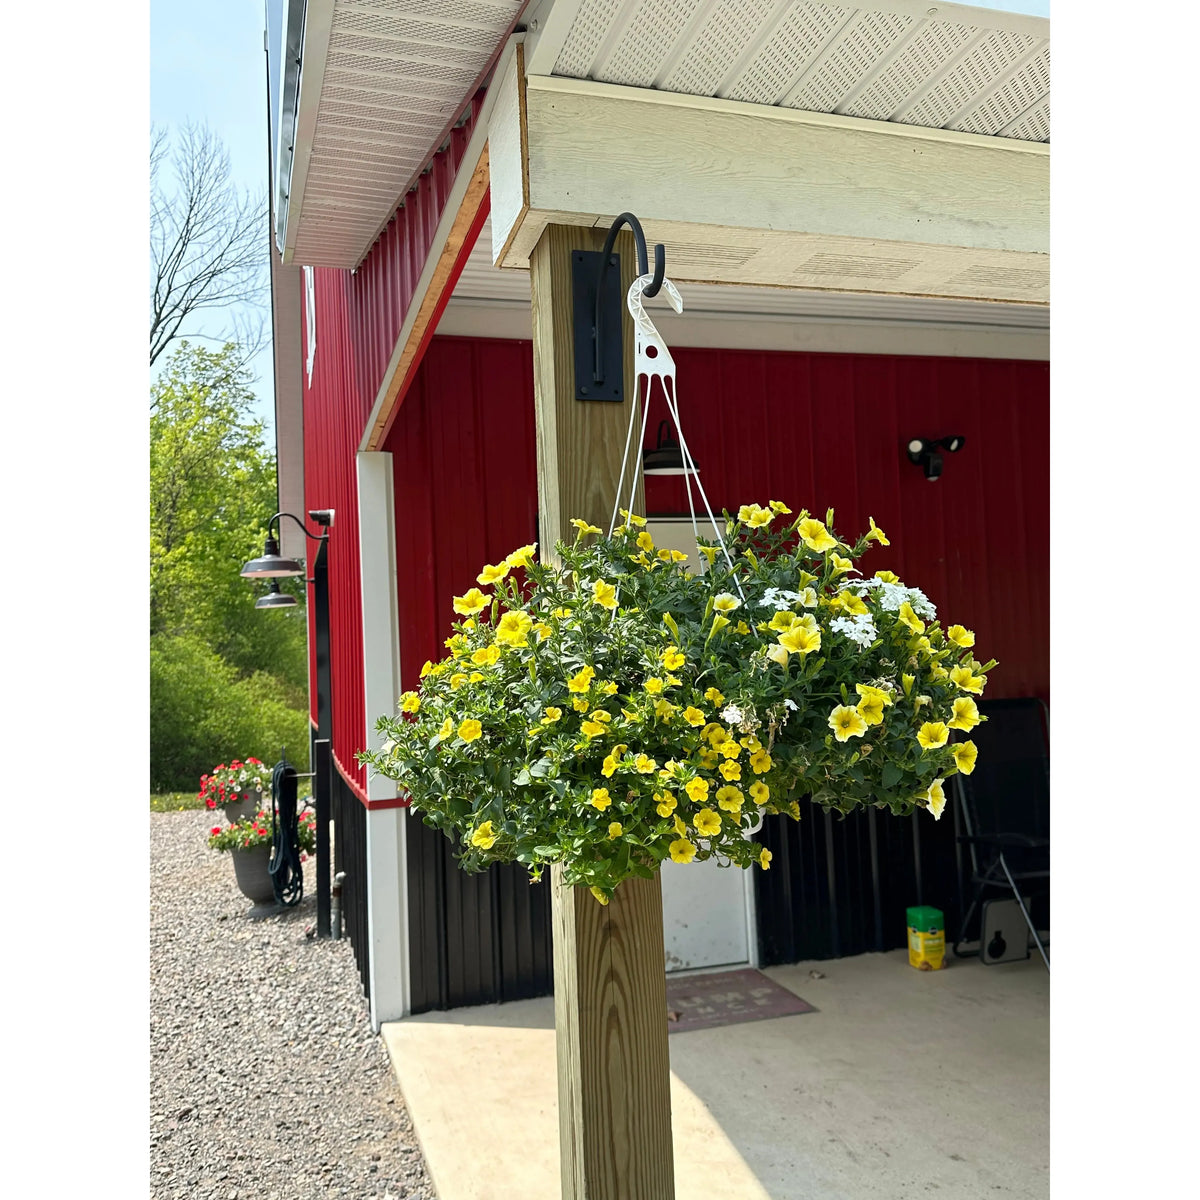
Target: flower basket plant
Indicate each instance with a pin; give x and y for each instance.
(256, 831)
(233, 783)
(611, 709)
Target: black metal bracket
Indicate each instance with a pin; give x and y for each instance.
(596, 299)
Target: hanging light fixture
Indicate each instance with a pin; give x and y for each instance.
(272, 565)
(275, 598)
(667, 457)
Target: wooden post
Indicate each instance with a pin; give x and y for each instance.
(610, 1001)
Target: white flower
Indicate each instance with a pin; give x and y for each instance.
(890, 596)
(790, 704)
(781, 598)
(859, 629)
(732, 715)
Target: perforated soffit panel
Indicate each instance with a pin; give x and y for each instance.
(395, 73)
(941, 66)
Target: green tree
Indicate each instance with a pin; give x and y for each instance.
(212, 492)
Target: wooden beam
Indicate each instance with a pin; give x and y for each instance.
(614, 1069)
(614, 1097)
(754, 194)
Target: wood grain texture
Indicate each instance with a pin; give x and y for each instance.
(579, 443)
(614, 1071)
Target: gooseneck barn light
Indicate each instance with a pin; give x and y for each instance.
(275, 598)
(924, 453)
(666, 458)
(272, 565)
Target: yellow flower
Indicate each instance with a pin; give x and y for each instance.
(581, 681)
(522, 557)
(841, 565)
(933, 735)
(870, 708)
(693, 716)
(741, 627)
(672, 556)
(601, 896)
(730, 798)
(470, 604)
(410, 702)
(470, 730)
(672, 658)
(447, 728)
(552, 714)
(645, 542)
(759, 792)
(579, 704)
(681, 826)
(714, 697)
(965, 755)
(671, 769)
(664, 710)
(591, 729)
(599, 714)
(476, 677)
(608, 767)
(935, 799)
(751, 743)
(714, 734)
(708, 759)
(866, 689)
(607, 689)
(615, 830)
(426, 668)
(794, 810)
(456, 681)
(542, 630)
(846, 722)
(632, 518)
(964, 679)
(910, 618)
(583, 526)
(640, 558)
(800, 639)
(908, 681)
(960, 636)
(604, 594)
(764, 858)
(726, 602)
(486, 656)
(852, 603)
(600, 798)
(654, 685)
(682, 851)
(560, 613)
(730, 749)
(491, 575)
(778, 506)
(697, 790)
(777, 654)
(719, 623)
(709, 552)
(875, 534)
(966, 714)
(644, 765)
(731, 770)
(484, 837)
(760, 761)
(815, 536)
(707, 822)
(665, 803)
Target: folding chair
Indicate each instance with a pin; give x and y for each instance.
(1005, 807)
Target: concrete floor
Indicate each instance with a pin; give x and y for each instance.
(903, 1084)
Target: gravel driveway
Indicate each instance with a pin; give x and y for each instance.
(266, 1080)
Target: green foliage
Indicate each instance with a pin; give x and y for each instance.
(225, 677)
(611, 709)
(200, 706)
(174, 802)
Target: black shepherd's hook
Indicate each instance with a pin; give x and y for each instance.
(660, 266)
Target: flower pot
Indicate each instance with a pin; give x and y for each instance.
(251, 869)
(246, 806)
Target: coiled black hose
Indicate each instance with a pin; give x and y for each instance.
(287, 875)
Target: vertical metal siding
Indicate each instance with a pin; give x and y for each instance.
(382, 287)
(465, 474)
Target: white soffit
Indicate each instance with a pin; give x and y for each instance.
(482, 284)
(395, 72)
(942, 66)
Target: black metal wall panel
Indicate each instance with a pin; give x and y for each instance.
(840, 885)
(475, 939)
(350, 856)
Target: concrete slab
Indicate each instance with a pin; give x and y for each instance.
(903, 1084)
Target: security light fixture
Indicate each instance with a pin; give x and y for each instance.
(667, 457)
(925, 453)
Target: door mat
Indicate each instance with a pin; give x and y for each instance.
(728, 998)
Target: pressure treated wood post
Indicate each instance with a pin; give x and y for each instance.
(610, 1004)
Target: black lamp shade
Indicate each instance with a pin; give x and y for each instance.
(275, 598)
(667, 457)
(271, 565)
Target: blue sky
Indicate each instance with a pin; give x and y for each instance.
(207, 64)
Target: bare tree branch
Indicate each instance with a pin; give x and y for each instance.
(208, 240)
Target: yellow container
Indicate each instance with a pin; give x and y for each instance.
(926, 938)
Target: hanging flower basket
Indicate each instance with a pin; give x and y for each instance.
(237, 789)
(612, 709)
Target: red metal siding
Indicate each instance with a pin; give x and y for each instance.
(382, 287)
(829, 430)
(465, 477)
(335, 411)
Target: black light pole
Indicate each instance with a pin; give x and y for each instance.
(272, 565)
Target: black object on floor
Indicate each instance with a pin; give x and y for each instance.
(727, 998)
